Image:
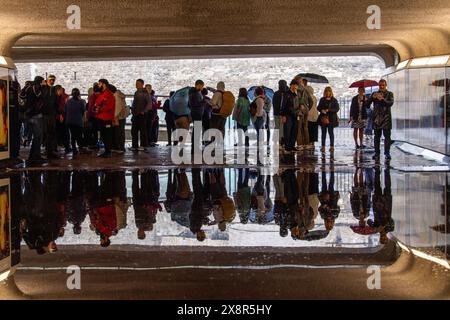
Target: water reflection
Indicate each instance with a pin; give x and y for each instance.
(218, 207)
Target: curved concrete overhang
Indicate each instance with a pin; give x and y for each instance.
(93, 53)
(37, 30)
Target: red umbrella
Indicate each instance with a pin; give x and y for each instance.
(363, 230)
(364, 83)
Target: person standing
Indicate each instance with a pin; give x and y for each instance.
(358, 116)
(278, 100)
(35, 105)
(50, 114)
(217, 121)
(104, 109)
(91, 132)
(197, 108)
(382, 101)
(170, 122)
(207, 110)
(305, 103)
(267, 109)
(289, 111)
(62, 131)
(141, 103)
(328, 119)
(74, 113)
(152, 113)
(241, 115)
(258, 118)
(120, 115)
(313, 116)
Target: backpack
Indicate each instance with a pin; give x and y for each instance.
(228, 101)
(24, 104)
(254, 107)
(179, 102)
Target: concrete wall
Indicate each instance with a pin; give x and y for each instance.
(167, 75)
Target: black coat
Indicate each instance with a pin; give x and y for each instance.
(333, 108)
(354, 108)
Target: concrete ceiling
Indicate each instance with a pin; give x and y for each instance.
(36, 30)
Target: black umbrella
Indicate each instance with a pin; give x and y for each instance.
(315, 235)
(312, 77)
(441, 83)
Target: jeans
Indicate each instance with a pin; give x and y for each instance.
(106, 134)
(119, 136)
(240, 136)
(151, 126)
(139, 126)
(76, 136)
(280, 126)
(259, 125)
(330, 130)
(218, 122)
(303, 132)
(170, 124)
(387, 141)
(35, 125)
(91, 133)
(62, 134)
(290, 132)
(267, 126)
(50, 133)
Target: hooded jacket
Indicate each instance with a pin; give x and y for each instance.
(121, 111)
(279, 97)
(107, 105)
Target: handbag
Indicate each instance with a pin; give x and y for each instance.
(325, 120)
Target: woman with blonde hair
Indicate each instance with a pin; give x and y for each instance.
(328, 108)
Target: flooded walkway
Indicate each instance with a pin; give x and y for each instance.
(142, 227)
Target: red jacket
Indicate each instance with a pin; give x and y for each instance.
(104, 219)
(106, 102)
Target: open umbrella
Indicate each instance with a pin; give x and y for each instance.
(367, 230)
(364, 83)
(269, 92)
(312, 77)
(441, 83)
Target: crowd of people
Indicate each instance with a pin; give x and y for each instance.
(195, 200)
(52, 118)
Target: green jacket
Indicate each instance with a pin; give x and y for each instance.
(241, 112)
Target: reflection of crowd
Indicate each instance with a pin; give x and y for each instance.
(362, 199)
(199, 200)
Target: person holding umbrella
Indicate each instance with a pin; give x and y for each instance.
(383, 101)
(358, 116)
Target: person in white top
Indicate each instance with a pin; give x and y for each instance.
(217, 121)
(313, 116)
(259, 119)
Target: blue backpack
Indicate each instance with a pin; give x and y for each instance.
(179, 102)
